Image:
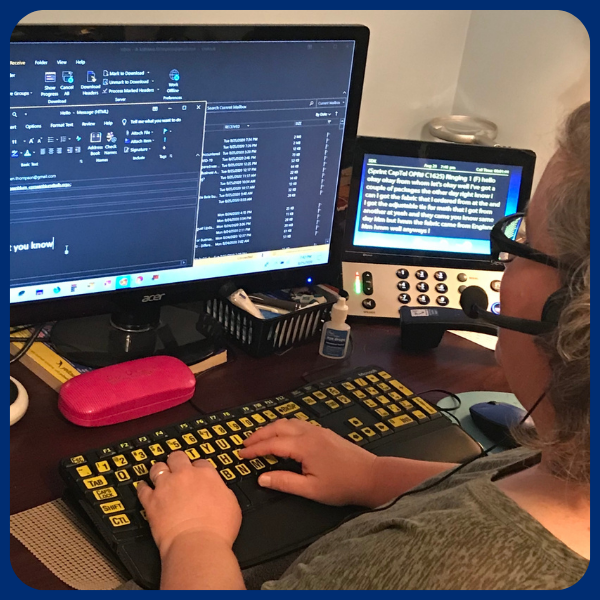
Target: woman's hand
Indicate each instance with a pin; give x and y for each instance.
(334, 470)
(189, 498)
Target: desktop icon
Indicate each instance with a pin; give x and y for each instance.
(123, 282)
(67, 76)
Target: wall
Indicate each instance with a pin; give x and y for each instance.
(413, 65)
(524, 70)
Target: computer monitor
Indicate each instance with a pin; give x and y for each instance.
(150, 164)
(419, 221)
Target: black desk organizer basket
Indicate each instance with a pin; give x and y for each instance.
(261, 337)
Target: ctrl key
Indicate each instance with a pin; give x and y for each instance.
(121, 523)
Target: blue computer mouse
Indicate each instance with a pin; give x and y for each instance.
(495, 419)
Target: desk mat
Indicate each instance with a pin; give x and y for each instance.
(64, 545)
(52, 533)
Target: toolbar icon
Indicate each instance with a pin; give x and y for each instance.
(91, 77)
(50, 77)
(67, 76)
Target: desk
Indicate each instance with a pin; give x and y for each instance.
(43, 436)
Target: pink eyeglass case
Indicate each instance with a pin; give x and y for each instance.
(126, 391)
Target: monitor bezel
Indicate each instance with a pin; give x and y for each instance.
(430, 150)
(38, 311)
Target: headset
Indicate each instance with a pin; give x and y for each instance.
(474, 303)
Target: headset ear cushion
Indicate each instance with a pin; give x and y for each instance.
(555, 305)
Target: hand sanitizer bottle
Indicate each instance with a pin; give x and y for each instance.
(336, 332)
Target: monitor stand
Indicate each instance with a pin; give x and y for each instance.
(105, 340)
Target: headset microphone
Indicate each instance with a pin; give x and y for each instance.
(474, 302)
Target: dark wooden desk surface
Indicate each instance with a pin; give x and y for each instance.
(43, 436)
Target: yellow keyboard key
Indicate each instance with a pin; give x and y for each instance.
(332, 404)
(192, 453)
(189, 439)
(368, 432)
(425, 405)
(259, 418)
(393, 408)
(320, 395)
(384, 375)
(105, 494)
(222, 443)
(122, 475)
(234, 426)
(174, 444)
(139, 455)
(401, 421)
(342, 399)
(302, 416)
(373, 378)
(400, 387)
(243, 470)
(78, 460)
(372, 391)
(315, 423)
(309, 400)
(225, 459)
(258, 464)
(205, 434)
(349, 386)
(360, 381)
(207, 448)
(112, 507)
(102, 466)
(370, 403)
(270, 415)
(84, 471)
(356, 437)
(237, 440)
(270, 459)
(355, 422)
(156, 449)
(236, 453)
(287, 408)
(140, 470)
(382, 428)
(333, 391)
(94, 482)
(382, 399)
(212, 462)
(227, 474)
(119, 461)
(395, 396)
(382, 412)
(419, 415)
(384, 387)
(220, 430)
(246, 422)
(119, 520)
(359, 394)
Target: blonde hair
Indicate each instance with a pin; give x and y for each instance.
(568, 347)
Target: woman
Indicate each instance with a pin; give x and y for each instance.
(515, 520)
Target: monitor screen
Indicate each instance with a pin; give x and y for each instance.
(433, 199)
(139, 163)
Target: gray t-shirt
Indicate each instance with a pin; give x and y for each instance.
(464, 534)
